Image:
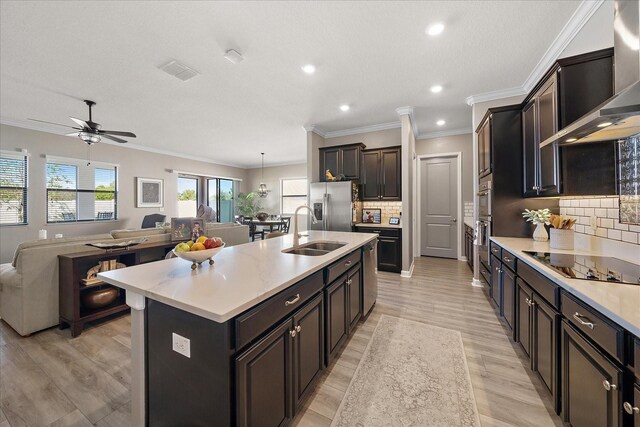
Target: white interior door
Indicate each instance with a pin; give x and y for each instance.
(439, 207)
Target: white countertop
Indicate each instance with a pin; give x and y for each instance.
(242, 276)
(387, 225)
(619, 302)
(470, 222)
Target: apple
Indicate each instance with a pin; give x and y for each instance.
(217, 242)
(209, 243)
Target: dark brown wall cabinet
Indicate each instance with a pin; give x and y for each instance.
(344, 309)
(344, 159)
(381, 175)
(484, 148)
(275, 374)
(571, 88)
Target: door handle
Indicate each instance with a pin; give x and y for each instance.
(454, 219)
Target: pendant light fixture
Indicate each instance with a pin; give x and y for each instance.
(262, 188)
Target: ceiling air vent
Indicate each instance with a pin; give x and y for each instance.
(179, 70)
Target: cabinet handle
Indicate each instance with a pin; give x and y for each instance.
(348, 263)
(528, 301)
(494, 250)
(298, 328)
(292, 333)
(629, 409)
(579, 318)
(292, 301)
(608, 386)
(507, 259)
(535, 188)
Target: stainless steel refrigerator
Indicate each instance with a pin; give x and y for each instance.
(335, 205)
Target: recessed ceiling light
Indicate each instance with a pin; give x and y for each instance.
(435, 29)
(309, 69)
(441, 122)
(604, 124)
(571, 139)
(436, 89)
(233, 56)
(344, 107)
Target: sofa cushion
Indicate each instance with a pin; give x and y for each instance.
(135, 233)
(47, 242)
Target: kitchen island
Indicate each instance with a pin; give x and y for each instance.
(241, 342)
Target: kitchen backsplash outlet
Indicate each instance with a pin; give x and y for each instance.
(598, 216)
(388, 209)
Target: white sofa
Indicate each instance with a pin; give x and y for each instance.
(29, 284)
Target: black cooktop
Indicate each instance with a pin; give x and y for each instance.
(588, 267)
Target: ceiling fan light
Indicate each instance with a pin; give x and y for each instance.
(89, 138)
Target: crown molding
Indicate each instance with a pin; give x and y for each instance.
(275, 165)
(363, 129)
(315, 129)
(580, 17)
(439, 134)
(53, 129)
(402, 111)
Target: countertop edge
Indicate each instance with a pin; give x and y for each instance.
(549, 274)
(249, 305)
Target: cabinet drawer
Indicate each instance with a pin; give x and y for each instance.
(509, 260)
(486, 275)
(591, 323)
(382, 231)
(483, 256)
(336, 269)
(495, 250)
(543, 286)
(252, 324)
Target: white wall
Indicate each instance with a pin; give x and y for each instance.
(596, 34)
(272, 177)
(132, 163)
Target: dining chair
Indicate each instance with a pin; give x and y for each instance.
(286, 223)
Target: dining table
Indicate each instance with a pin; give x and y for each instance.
(271, 223)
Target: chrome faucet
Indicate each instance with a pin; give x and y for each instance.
(296, 236)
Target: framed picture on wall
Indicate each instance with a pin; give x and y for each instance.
(149, 193)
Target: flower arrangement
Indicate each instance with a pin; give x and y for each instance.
(541, 216)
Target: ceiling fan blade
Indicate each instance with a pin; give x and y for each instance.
(119, 133)
(81, 122)
(72, 134)
(113, 138)
(51, 123)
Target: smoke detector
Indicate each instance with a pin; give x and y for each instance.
(233, 56)
(179, 70)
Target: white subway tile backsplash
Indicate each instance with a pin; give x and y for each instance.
(614, 234)
(605, 212)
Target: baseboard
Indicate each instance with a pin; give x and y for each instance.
(408, 273)
(477, 283)
(462, 258)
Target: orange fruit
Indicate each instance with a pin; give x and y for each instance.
(198, 247)
(201, 239)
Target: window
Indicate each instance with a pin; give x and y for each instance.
(220, 196)
(187, 196)
(294, 194)
(13, 188)
(81, 191)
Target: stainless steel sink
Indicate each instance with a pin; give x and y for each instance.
(318, 248)
(305, 251)
(324, 245)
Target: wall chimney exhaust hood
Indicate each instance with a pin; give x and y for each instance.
(619, 116)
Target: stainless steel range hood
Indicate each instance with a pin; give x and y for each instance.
(619, 116)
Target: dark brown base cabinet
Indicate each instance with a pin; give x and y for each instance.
(508, 295)
(524, 298)
(544, 350)
(389, 247)
(496, 283)
(468, 245)
(591, 383)
(344, 310)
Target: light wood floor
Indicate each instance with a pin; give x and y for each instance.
(49, 379)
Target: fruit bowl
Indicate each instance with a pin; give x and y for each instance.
(198, 257)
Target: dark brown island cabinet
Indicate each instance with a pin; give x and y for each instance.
(73, 287)
(257, 368)
(381, 175)
(341, 160)
(588, 364)
(389, 247)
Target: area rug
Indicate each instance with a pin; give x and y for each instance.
(411, 374)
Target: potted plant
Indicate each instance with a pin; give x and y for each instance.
(561, 232)
(540, 218)
(248, 204)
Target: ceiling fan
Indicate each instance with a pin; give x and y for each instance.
(89, 131)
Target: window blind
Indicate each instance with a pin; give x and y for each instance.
(81, 191)
(294, 194)
(13, 188)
